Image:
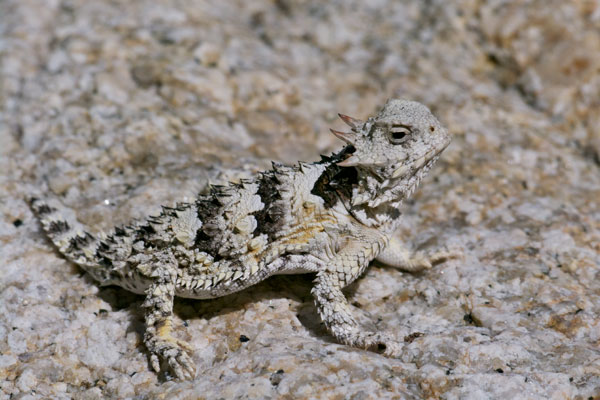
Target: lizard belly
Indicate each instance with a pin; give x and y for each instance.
(303, 251)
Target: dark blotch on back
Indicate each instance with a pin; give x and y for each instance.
(208, 207)
(335, 181)
(270, 218)
(395, 213)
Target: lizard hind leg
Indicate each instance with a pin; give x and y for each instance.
(163, 347)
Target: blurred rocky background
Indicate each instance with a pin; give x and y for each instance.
(115, 107)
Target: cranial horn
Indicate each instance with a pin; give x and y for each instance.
(351, 122)
(347, 137)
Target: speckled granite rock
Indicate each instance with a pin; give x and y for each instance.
(117, 107)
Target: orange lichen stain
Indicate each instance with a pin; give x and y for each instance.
(305, 231)
(434, 388)
(302, 236)
(233, 341)
(566, 324)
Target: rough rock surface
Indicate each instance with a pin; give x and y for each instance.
(116, 107)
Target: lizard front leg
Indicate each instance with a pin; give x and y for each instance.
(398, 256)
(333, 307)
(159, 311)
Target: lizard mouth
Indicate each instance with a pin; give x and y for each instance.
(412, 169)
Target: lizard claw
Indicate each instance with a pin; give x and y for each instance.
(182, 366)
(174, 353)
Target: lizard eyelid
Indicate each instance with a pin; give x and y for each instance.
(399, 133)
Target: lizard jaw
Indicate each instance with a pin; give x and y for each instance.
(403, 170)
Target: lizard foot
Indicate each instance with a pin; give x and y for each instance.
(426, 260)
(174, 353)
(444, 254)
(382, 342)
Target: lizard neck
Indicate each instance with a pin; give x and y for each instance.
(376, 202)
(372, 200)
(385, 217)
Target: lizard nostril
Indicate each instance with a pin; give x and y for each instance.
(432, 129)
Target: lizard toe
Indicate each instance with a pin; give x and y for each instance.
(174, 353)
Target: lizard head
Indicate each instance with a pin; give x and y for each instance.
(394, 149)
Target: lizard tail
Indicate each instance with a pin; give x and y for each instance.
(76, 245)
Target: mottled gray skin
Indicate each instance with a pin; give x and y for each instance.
(330, 218)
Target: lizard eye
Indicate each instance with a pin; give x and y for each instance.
(399, 134)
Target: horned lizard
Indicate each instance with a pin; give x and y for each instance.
(330, 218)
